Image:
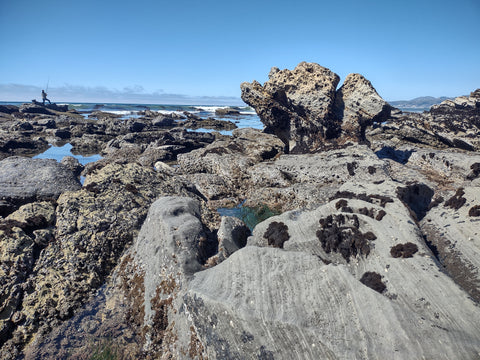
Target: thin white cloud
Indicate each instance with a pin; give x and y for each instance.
(101, 94)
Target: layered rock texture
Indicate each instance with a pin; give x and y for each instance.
(451, 124)
(373, 254)
(306, 111)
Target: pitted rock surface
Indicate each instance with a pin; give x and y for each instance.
(305, 110)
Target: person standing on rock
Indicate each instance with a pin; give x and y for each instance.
(44, 97)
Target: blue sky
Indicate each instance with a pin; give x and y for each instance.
(200, 51)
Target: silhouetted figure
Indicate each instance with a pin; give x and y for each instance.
(44, 97)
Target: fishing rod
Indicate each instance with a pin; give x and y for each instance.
(48, 81)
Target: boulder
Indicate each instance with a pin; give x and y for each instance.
(305, 110)
(21, 144)
(36, 214)
(208, 123)
(219, 169)
(358, 105)
(296, 105)
(232, 236)
(23, 179)
(73, 164)
(162, 121)
(48, 123)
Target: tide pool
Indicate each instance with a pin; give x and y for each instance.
(59, 152)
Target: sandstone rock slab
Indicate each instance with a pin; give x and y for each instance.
(24, 179)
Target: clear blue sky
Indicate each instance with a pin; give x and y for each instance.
(149, 51)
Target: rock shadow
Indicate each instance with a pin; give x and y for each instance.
(417, 197)
(400, 156)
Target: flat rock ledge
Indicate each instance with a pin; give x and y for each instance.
(24, 179)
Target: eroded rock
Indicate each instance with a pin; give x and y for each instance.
(305, 110)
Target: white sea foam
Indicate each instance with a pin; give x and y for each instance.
(122, 112)
(210, 108)
(170, 112)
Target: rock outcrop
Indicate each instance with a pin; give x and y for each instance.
(358, 105)
(47, 109)
(220, 169)
(451, 124)
(305, 110)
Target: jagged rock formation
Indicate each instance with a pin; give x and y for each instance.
(358, 105)
(305, 110)
(451, 124)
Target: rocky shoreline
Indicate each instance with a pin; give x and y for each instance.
(375, 253)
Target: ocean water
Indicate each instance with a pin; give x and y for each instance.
(59, 152)
(246, 118)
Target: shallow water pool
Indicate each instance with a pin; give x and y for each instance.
(59, 152)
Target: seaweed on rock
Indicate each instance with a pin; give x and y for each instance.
(374, 281)
(340, 234)
(474, 211)
(457, 200)
(475, 171)
(382, 200)
(404, 250)
(277, 234)
(380, 215)
(341, 203)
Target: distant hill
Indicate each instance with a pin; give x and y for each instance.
(423, 102)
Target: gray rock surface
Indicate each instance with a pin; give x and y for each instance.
(313, 295)
(307, 296)
(305, 181)
(232, 236)
(220, 169)
(453, 229)
(24, 179)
